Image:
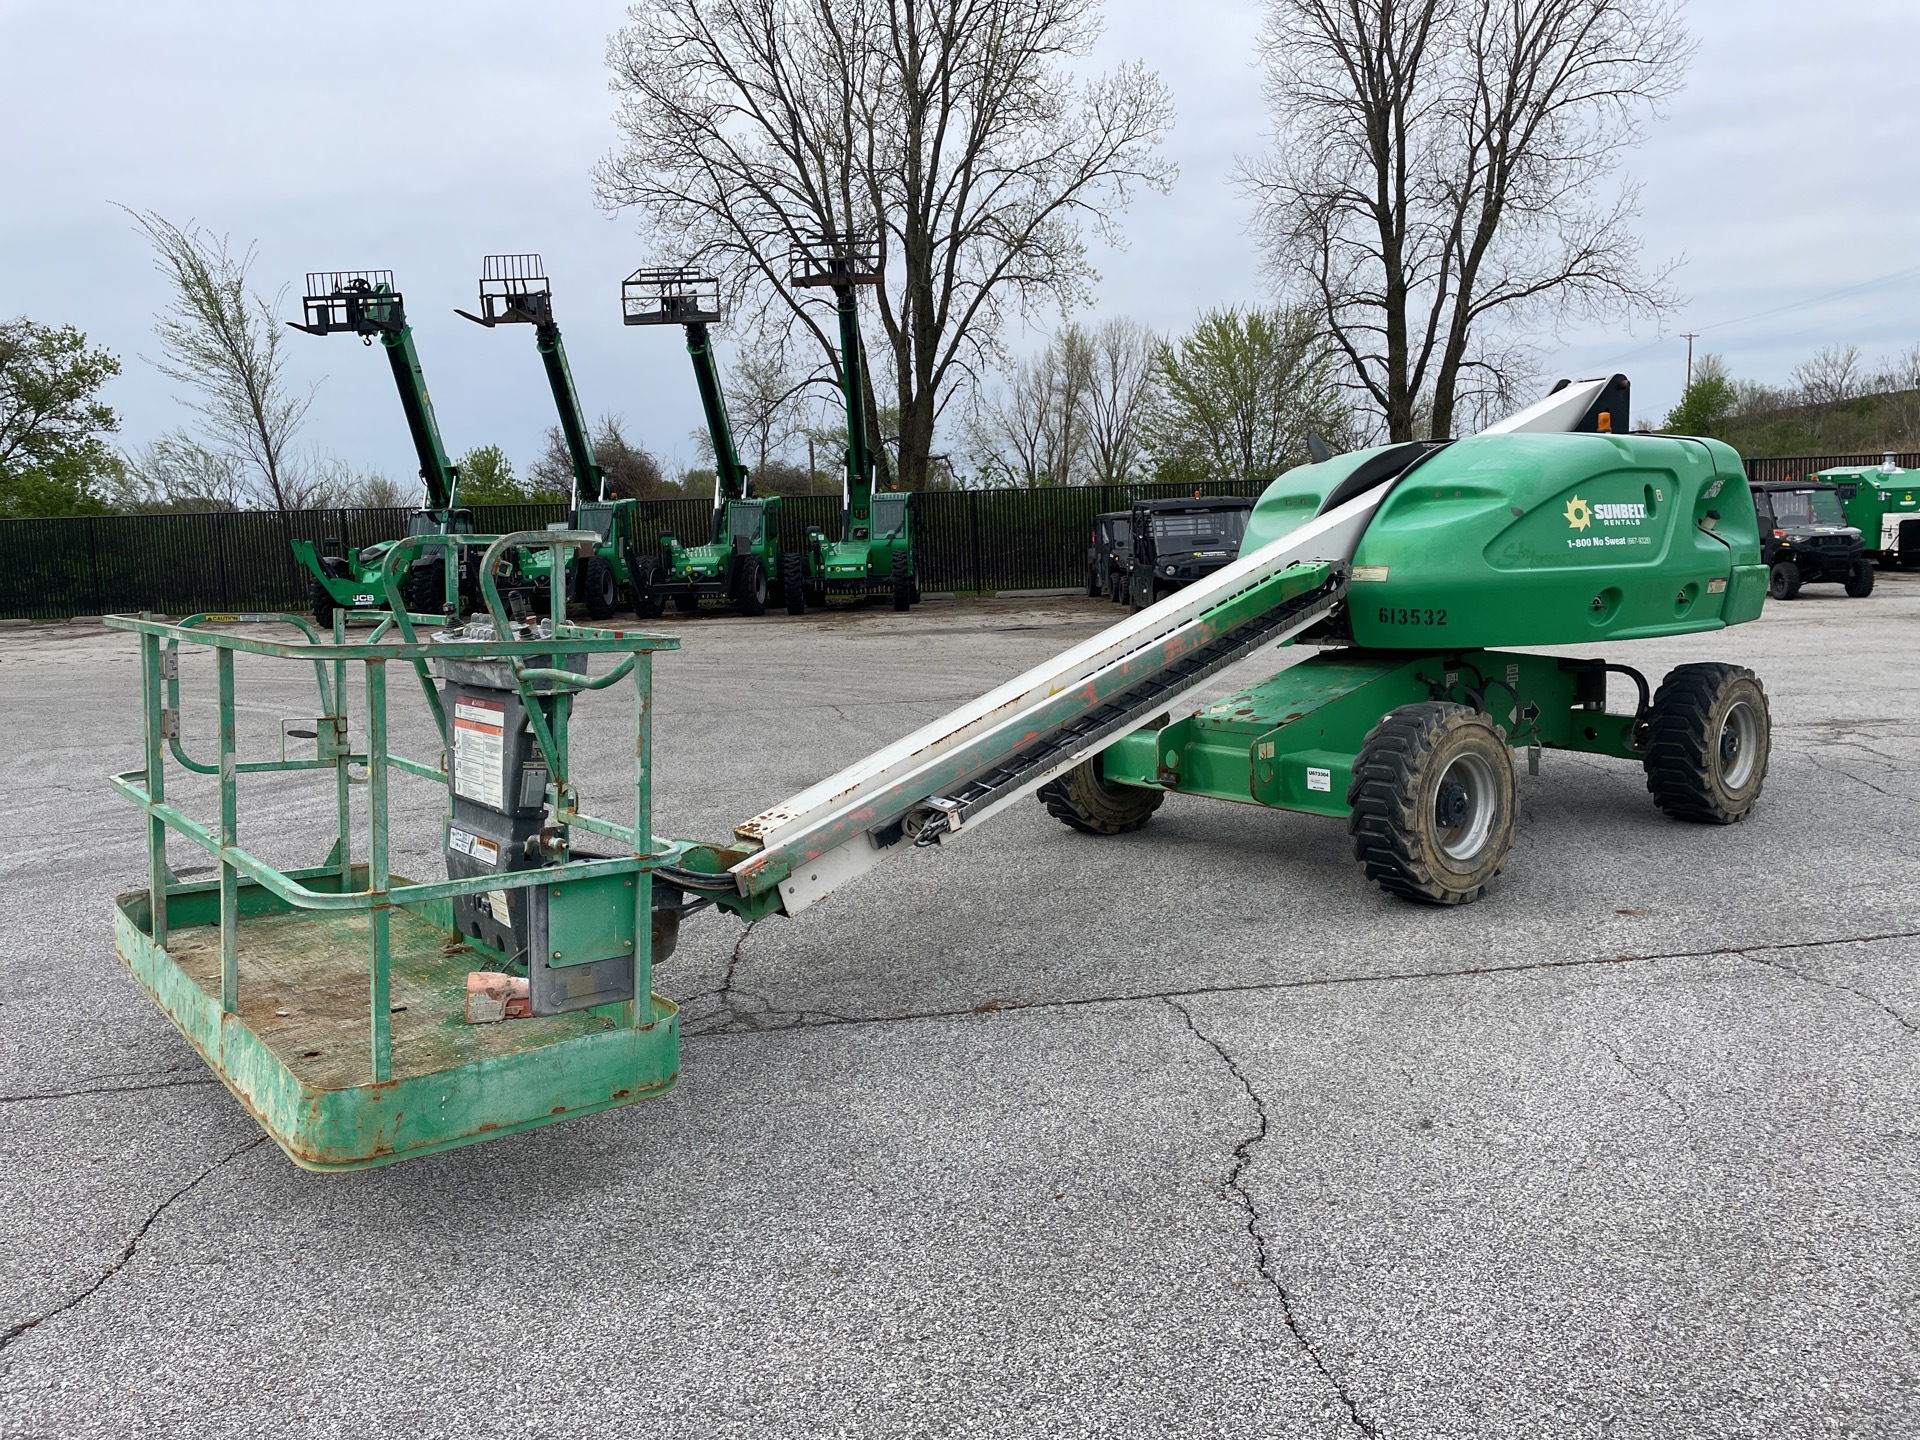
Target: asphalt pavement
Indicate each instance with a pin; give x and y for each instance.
(1185, 1132)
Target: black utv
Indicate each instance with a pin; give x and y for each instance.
(1805, 539)
(1109, 554)
(1176, 542)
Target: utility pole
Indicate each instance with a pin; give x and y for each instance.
(1690, 336)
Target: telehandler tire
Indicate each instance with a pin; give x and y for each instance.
(750, 586)
(323, 606)
(599, 587)
(1083, 800)
(793, 582)
(1860, 580)
(1709, 737)
(647, 603)
(425, 589)
(1433, 801)
(903, 586)
(1783, 580)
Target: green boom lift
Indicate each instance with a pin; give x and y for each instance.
(514, 289)
(874, 554)
(516, 991)
(742, 552)
(364, 303)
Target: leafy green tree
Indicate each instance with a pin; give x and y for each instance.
(54, 457)
(1236, 397)
(486, 477)
(1707, 403)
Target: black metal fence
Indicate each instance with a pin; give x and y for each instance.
(1798, 467)
(177, 564)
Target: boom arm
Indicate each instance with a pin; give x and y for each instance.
(514, 290)
(730, 476)
(365, 303)
(857, 490)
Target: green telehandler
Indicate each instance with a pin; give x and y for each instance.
(874, 554)
(514, 289)
(742, 553)
(364, 303)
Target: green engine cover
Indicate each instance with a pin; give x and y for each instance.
(1542, 539)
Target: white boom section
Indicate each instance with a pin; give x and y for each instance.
(1559, 413)
(1329, 537)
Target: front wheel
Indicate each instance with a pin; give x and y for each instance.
(1783, 581)
(750, 586)
(1709, 737)
(902, 577)
(648, 603)
(793, 582)
(425, 589)
(1433, 801)
(1860, 580)
(599, 588)
(323, 606)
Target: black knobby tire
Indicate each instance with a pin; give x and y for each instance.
(1783, 580)
(793, 582)
(425, 589)
(1433, 801)
(1860, 580)
(902, 576)
(1709, 738)
(323, 606)
(648, 603)
(599, 587)
(750, 585)
(1083, 799)
(1093, 581)
(1140, 592)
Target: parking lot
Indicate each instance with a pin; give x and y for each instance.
(1184, 1132)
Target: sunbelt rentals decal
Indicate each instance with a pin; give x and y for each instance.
(1583, 516)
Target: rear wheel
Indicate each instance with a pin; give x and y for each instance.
(1084, 800)
(902, 580)
(1860, 580)
(1709, 737)
(750, 586)
(599, 588)
(1783, 581)
(793, 582)
(1433, 802)
(1093, 581)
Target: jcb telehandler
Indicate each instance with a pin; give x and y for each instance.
(742, 553)
(364, 303)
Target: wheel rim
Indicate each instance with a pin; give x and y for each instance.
(1739, 745)
(1464, 801)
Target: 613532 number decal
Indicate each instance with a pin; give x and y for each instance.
(1391, 616)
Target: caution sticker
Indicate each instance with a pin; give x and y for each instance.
(497, 906)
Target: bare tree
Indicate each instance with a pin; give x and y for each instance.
(763, 402)
(1119, 386)
(1035, 431)
(1443, 179)
(1833, 376)
(955, 128)
(220, 338)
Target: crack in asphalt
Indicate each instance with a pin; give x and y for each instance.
(1820, 980)
(998, 1005)
(108, 1089)
(1844, 773)
(1235, 1186)
(1646, 1078)
(132, 1247)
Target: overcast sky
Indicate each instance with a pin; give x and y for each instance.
(418, 135)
